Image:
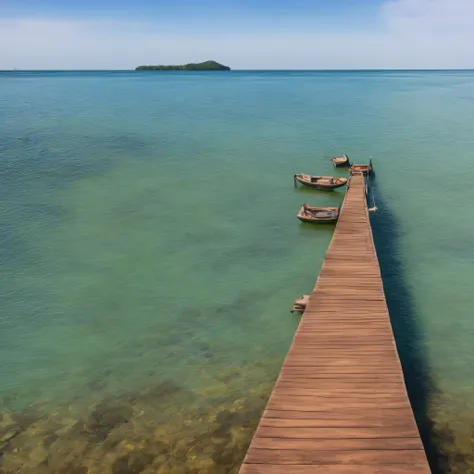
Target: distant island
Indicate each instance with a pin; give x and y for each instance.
(205, 66)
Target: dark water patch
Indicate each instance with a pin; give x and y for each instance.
(133, 463)
(13, 247)
(10, 145)
(98, 383)
(239, 307)
(403, 317)
(266, 247)
(39, 158)
(21, 164)
(34, 168)
(163, 390)
(121, 142)
(16, 226)
(42, 210)
(102, 421)
(49, 439)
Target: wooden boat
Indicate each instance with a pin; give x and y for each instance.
(318, 214)
(320, 182)
(300, 304)
(364, 169)
(340, 160)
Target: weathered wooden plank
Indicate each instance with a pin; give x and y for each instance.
(330, 422)
(335, 444)
(343, 413)
(333, 469)
(339, 385)
(316, 357)
(368, 393)
(343, 433)
(315, 377)
(325, 405)
(346, 456)
(357, 369)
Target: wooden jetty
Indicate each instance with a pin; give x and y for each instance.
(340, 404)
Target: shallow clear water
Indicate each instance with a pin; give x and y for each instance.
(150, 253)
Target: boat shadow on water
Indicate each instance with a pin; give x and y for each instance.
(404, 320)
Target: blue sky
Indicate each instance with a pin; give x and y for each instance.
(245, 34)
(175, 8)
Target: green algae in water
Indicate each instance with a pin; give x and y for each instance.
(452, 418)
(164, 429)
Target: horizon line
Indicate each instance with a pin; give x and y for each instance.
(241, 70)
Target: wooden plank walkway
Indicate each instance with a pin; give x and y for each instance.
(340, 404)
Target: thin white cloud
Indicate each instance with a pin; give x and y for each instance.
(434, 16)
(430, 33)
(407, 34)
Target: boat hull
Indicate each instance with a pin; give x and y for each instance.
(318, 221)
(325, 186)
(340, 161)
(318, 215)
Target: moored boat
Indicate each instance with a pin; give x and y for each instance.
(319, 215)
(320, 182)
(364, 169)
(342, 160)
(300, 304)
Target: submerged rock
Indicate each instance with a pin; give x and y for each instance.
(103, 420)
(79, 470)
(133, 463)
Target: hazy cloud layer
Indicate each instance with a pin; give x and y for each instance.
(406, 34)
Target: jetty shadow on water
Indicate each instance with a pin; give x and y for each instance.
(403, 317)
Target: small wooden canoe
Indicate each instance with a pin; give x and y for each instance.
(300, 304)
(318, 215)
(320, 182)
(364, 169)
(340, 160)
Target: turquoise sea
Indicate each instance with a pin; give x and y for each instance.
(150, 253)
